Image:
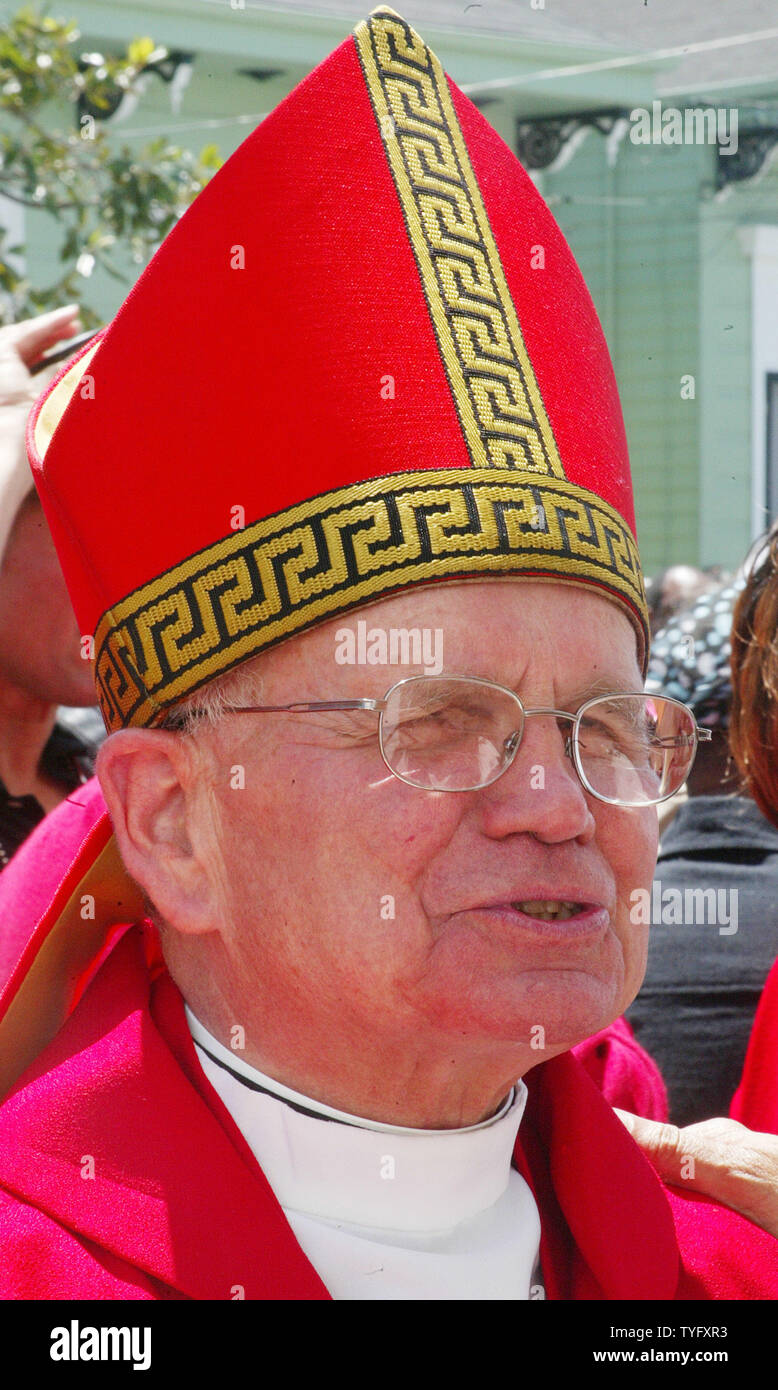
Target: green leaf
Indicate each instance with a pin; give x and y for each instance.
(139, 51)
(210, 157)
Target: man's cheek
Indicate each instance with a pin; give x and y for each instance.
(401, 841)
(631, 847)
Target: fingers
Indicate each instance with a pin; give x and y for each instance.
(660, 1141)
(32, 337)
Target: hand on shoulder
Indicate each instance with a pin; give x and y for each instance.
(720, 1158)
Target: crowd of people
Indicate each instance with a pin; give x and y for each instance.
(363, 944)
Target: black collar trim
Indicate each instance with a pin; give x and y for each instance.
(263, 1090)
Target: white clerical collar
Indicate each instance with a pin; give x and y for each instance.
(357, 1171)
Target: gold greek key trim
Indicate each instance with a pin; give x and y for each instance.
(344, 548)
(495, 392)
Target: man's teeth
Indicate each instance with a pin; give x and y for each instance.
(548, 911)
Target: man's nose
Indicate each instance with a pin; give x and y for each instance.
(540, 793)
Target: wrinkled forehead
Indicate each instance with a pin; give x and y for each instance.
(494, 628)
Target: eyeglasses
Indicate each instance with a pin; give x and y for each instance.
(460, 733)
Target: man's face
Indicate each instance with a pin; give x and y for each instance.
(353, 903)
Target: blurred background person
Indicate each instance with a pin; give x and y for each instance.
(41, 666)
(705, 975)
(677, 588)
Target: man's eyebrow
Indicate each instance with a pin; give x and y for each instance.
(601, 686)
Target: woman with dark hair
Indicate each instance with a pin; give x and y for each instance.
(754, 718)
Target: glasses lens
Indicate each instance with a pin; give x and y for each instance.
(634, 749)
(449, 734)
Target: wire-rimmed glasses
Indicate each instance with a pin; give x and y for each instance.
(460, 733)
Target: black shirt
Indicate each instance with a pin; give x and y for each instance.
(69, 760)
(695, 1010)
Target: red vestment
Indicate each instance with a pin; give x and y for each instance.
(123, 1176)
(756, 1099)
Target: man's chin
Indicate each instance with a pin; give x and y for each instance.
(544, 1011)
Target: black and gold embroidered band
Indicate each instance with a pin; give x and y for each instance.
(498, 401)
(344, 548)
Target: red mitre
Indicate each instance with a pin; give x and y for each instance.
(364, 359)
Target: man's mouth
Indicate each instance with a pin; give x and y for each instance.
(550, 909)
(549, 919)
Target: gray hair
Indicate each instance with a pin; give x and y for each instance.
(213, 701)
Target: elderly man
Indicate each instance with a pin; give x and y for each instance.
(359, 407)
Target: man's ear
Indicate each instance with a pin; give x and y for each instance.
(149, 781)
